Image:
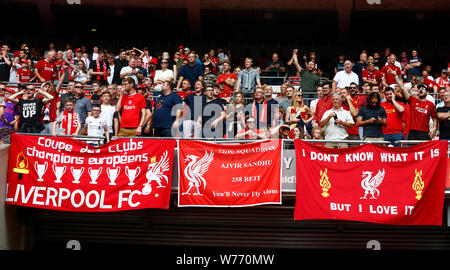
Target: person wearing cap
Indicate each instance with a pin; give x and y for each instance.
(443, 81)
(30, 108)
(50, 111)
(421, 111)
(192, 71)
(24, 74)
(371, 75)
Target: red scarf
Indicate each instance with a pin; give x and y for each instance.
(105, 75)
(69, 121)
(262, 114)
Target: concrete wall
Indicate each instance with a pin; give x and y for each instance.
(9, 225)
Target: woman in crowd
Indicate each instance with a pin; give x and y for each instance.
(80, 73)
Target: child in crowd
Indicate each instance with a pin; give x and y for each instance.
(68, 120)
(96, 126)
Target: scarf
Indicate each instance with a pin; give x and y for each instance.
(69, 123)
(263, 112)
(105, 75)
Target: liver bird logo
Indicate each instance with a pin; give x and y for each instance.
(370, 184)
(195, 170)
(156, 172)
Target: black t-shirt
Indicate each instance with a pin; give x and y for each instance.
(30, 114)
(4, 70)
(444, 126)
(95, 99)
(372, 130)
(101, 68)
(211, 111)
(195, 104)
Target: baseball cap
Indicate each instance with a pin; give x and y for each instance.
(187, 49)
(422, 85)
(154, 61)
(444, 71)
(77, 50)
(45, 83)
(180, 47)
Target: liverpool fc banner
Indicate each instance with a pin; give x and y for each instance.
(61, 173)
(370, 183)
(229, 175)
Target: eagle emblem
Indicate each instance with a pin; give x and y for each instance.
(371, 183)
(195, 170)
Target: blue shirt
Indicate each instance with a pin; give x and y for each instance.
(162, 116)
(192, 73)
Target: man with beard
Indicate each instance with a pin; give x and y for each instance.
(309, 80)
(372, 117)
(226, 80)
(324, 104)
(421, 110)
(393, 131)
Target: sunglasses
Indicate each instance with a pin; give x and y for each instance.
(78, 86)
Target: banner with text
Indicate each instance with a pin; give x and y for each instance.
(370, 183)
(229, 174)
(61, 173)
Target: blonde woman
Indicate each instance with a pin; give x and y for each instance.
(235, 115)
(298, 114)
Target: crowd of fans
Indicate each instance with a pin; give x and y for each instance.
(382, 96)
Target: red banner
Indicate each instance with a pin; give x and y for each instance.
(61, 173)
(229, 175)
(370, 183)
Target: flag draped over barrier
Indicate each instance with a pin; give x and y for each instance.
(370, 183)
(229, 175)
(61, 173)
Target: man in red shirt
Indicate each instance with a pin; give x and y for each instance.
(372, 75)
(350, 103)
(185, 89)
(431, 85)
(24, 74)
(421, 110)
(388, 77)
(51, 106)
(393, 131)
(324, 104)
(45, 69)
(226, 80)
(133, 108)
